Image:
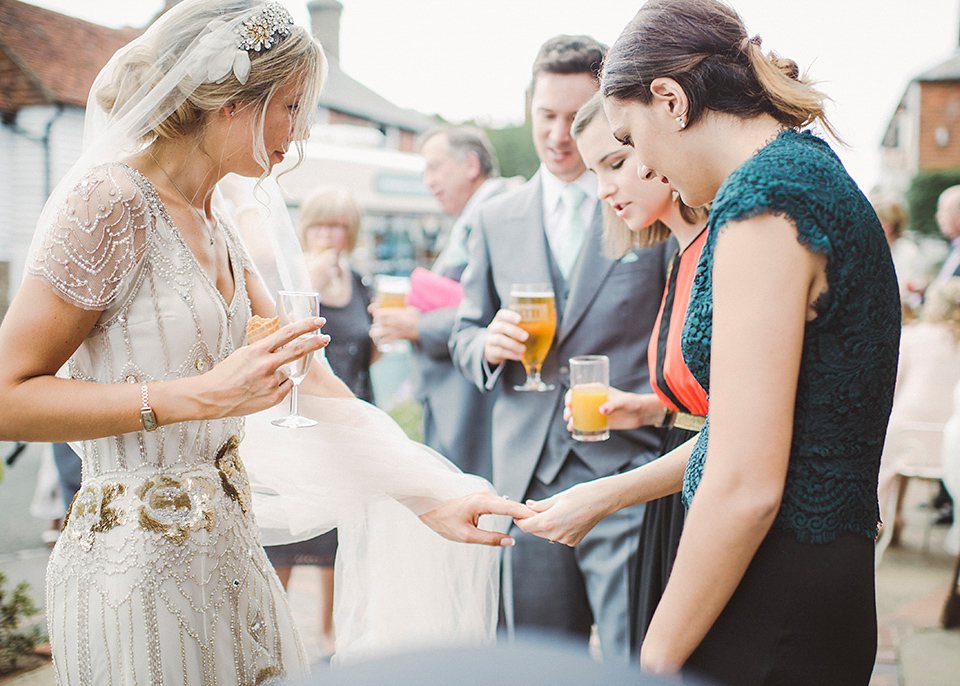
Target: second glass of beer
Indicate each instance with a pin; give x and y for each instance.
(535, 304)
(589, 384)
(391, 291)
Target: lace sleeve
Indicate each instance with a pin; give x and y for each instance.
(95, 239)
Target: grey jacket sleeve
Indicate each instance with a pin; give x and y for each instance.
(479, 305)
(434, 328)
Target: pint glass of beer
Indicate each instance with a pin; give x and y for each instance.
(589, 381)
(391, 291)
(536, 306)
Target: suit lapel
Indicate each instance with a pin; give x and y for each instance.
(528, 249)
(586, 278)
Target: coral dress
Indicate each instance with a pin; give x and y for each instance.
(159, 576)
(679, 391)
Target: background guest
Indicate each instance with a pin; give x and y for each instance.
(927, 373)
(948, 219)
(460, 170)
(907, 257)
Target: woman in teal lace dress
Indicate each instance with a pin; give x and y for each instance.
(793, 330)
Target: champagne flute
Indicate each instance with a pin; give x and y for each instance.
(293, 306)
(535, 304)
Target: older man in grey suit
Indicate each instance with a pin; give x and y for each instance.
(460, 170)
(549, 231)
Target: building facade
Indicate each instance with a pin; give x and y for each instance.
(924, 132)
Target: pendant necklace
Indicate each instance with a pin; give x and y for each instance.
(203, 219)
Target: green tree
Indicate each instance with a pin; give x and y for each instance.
(15, 645)
(925, 189)
(515, 151)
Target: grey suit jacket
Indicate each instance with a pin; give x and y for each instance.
(456, 414)
(605, 307)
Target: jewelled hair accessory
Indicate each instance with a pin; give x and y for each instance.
(259, 32)
(229, 50)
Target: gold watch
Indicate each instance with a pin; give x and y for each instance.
(148, 418)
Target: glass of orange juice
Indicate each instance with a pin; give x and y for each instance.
(589, 381)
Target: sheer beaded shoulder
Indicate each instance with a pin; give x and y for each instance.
(849, 358)
(97, 237)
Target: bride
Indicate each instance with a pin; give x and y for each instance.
(140, 287)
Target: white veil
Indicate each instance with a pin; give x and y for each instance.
(400, 584)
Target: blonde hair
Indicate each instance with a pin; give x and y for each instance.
(294, 58)
(942, 305)
(331, 205)
(890, 211)
(703, 46)
(618, 238)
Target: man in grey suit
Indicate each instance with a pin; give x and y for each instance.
(549, 231)
(460, 170)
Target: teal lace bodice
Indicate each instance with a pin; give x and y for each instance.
(849, 360)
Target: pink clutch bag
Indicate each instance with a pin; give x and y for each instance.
(430, 291)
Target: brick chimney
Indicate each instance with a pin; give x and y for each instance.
(325, 26)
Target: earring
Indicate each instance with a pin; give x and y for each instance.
(682, 122)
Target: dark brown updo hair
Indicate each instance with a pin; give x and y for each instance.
(703, 46)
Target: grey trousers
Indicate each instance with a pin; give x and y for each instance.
(563, 589)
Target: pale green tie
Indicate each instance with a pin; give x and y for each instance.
(572, 229)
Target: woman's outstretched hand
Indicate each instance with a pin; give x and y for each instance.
(253, 377)
(457, 519)
(569, 515)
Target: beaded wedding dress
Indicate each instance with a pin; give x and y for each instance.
(159, 576)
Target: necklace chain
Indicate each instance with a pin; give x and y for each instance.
(203, 219)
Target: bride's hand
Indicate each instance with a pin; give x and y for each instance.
(457, 519)
(569, 515)
(252, 378)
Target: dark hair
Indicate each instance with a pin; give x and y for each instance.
(703, 46)
(568, 55)
(463, 140)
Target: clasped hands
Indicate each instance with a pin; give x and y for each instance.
(563, 518)
(569, 515)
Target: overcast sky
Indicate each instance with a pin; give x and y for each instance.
(470, 59)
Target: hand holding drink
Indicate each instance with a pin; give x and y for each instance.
(391, 291)
(292, 306)
(589, 384)
(537, 309)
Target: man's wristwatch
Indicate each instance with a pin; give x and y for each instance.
(148, 418)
